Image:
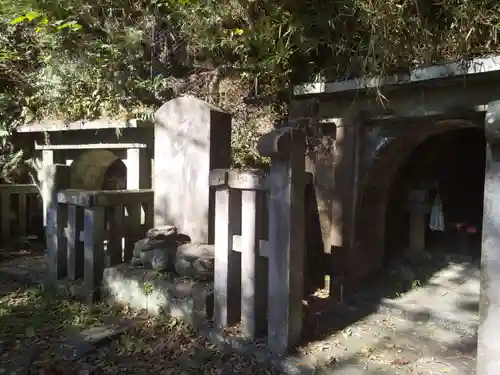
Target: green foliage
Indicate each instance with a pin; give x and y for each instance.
(75, 59)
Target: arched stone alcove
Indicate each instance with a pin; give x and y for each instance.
(377, 177)
(98, 169)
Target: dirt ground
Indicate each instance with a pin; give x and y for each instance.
(420, 320)
(35, 327)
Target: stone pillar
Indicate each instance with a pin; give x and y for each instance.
(49, 157)
(252, 185)
(54, 178)
(191, 138)
(343, 215)
(418, 208)
(286, 244)
(93, 250)
(320, 162)
(488, 352)
(138, 165)
(227, 267)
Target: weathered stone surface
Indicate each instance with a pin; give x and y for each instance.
(148, 244)
(163, 259)
(191, 138)
(136, 262)
(79, 345)
(488, 360)
(141, 289)
(286, 236)
(160, 259)
(156, 251)
(195, 261)
(54, 177)
(162, 232)
(139, 247)
(95, 169)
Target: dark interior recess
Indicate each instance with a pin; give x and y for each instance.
(455, 160)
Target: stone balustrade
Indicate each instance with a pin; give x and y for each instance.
(259, 237)
(90, 230)
(19, 205)
(260, 244)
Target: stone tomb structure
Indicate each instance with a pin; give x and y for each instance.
(231, 244)
(191, 138)
(369, 128)
(364, 141)
(94, 150)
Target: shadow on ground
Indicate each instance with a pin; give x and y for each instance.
(43, 333)
(407, 317)
(392, 284)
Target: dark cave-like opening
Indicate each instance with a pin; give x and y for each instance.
(451, 164)
(115, 177)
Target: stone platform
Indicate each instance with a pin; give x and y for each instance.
(138, 288)
(157, 293)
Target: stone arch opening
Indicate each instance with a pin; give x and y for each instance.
(98, 170)
(450, 164)
(414, 160)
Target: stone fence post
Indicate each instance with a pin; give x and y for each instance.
(252, 185)
(286, 183)
(488, 358)
(54, 177)
(227, 275)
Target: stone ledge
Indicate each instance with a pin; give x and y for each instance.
(191, 301)
(142, 289)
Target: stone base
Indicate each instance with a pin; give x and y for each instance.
(416, 255)
(142, 289)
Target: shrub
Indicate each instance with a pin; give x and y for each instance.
(75, 59)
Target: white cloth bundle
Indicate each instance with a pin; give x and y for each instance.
(436, 221)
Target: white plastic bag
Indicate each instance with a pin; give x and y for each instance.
(436, 221)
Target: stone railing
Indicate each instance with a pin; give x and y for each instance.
(260, 244)
(19, 205)
(90, 230)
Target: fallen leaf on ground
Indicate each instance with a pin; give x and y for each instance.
(400, 362)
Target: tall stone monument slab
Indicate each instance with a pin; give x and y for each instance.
(191, 138)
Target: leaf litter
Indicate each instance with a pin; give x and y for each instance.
(32, 318)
